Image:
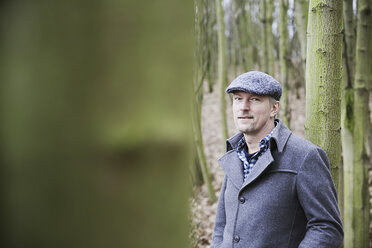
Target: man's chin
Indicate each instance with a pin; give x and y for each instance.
(246, 130)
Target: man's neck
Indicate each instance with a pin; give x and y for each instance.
(253, 140)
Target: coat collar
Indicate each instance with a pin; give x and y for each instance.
(280, 136)
(232, 165)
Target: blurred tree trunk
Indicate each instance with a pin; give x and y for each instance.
(369, 141)
(233, 38)
(205, 11)
(251, 30)
(234, 47)
(214, 48)
(204, 25)
(198, 139)
(92, 154)
(222, 67)
(347, 123)
(244, 27)
(198, 101)
(301, 16)
(323, 79)
(239, 49)
(253, 38)
(283, 32)
(264, 39)
(209, 5)
(270, 37)
(349, 38)
(370, 84)
(360, 193)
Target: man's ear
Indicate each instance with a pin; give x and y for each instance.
(275, 109)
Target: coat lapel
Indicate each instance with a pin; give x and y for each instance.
(262, 163)
(232, 166)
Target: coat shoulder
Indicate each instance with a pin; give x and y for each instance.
(297, 150)
(300, 145)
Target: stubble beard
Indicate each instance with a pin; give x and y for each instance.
(246, 128)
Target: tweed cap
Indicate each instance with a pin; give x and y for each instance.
(258, 83)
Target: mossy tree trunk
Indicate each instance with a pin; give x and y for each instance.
(301, 16)
(199, 77)
(369, 141)
(198, 139)
(206, 17)
(222, 69)
(93, 142)
(235, 48)
(347, 122)
(283, 53)
(323, 79)
(251, 32)
(244, 27)
(270, 37)
(211, 45)
(370, 83)
(359, 222)
(264, 39)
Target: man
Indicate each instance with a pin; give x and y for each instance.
(277, 191)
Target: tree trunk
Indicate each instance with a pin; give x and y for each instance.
(323, 79)
(198, 139)
(252, 30)
(360, 193)
(222, 70)
(93, 142)
(283, 31)
(270, 38)
(212, 44)
(199, 78)
(350, 42)
(204, 19)
(243, 25)
(347, 123)
(301, 16)
(264, 39)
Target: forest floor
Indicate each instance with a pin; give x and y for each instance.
(203, 213)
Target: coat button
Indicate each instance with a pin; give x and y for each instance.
(241, 199)
(236, 238)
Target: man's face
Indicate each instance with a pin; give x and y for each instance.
(253, 114)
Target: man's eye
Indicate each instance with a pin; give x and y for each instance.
(237, 98)
(254, 99)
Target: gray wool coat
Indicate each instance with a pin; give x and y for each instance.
(288, 199)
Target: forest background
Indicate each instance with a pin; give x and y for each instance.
(321, 52)
(95, 117)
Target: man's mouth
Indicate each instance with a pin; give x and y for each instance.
(245, 117)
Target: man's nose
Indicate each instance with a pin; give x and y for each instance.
(245, 105)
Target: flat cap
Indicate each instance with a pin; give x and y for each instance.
(258, 83)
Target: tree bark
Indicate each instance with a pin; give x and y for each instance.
(301, 19)
(93, 130)
(222, 69)
(264, 39)
(212, 44)
(244, 25)
(359, 236)
(199, 78)
(323, 79)
(198, 139)
(347, 123)
(270, 38)
(283, 31)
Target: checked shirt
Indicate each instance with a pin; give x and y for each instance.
(249, 160)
